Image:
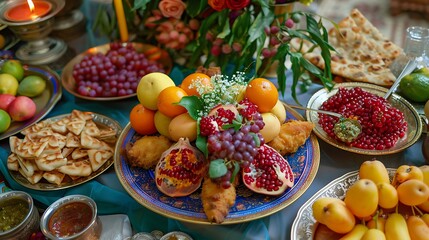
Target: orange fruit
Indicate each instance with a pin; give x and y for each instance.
(142, 120)
(168, 100)
(263, 93)
(191, 83)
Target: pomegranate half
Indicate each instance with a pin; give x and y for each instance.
(269, 173)
(180, 170)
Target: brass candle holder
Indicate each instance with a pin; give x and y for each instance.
(39, 48)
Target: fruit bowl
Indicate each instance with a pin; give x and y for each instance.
(150, 51)
(44, 102)
(410, 114)
(305, 226)
(140, 184)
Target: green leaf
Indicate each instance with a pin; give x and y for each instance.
(193, 104)
(226, 29)
(310, 67)
(236, 123)
(239, 26)
(236, 170)
(140, 4)
(296, 69)
(201, 143)
(195, 7)
(282, 52)
(257, 28)
(255, 139)
(217, 168)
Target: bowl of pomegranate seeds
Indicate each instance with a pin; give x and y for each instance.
(388, 126)
(112, 71)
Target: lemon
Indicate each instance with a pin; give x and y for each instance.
(14, 68)
(31, 86)
(8, 84)
(415, 86)
(4, 120)
(149, 88)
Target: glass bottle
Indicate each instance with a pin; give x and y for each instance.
(416, 44)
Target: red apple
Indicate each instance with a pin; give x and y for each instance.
(22, 108)
(5, 100)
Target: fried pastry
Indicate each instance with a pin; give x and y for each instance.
(217, 200)
(147, 150)
(292, 135)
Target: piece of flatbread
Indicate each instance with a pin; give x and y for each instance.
(33, 179)
(51, 161)
(80, 168)
(76, 126)
(60, 126)
(362, 53)
(79, 153)
(98, 157)
(54, 177)
(12, 162)
(91, 129)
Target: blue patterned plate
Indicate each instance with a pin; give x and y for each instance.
(140, 184)
(44, 102)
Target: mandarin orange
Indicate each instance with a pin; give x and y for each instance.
(263, 93)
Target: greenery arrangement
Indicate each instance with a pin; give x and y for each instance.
(235, 35)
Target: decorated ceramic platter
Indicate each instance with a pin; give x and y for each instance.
(412, 118)
(44, 102)
(102, 122)
(150, 51)
(140, 184)
(304, 227)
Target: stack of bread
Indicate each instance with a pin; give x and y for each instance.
(72, 146)
(362, 53)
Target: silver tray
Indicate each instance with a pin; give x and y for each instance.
(102, 122)
(304, 226)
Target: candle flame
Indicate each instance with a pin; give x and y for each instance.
(30, 5)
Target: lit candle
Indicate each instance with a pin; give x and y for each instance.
(28, 11)
(122, 23)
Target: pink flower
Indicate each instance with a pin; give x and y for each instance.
(172, 8)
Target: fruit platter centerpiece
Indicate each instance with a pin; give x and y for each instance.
(214, 139)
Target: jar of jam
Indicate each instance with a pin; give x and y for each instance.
(71, 217)
(19, 217)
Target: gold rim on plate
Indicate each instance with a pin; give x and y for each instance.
(411, 116)
(69, 83)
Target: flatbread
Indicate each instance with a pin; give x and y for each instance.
(362, 53)
(76, 168)
(49, 162)
(54, 177)
(98, 157)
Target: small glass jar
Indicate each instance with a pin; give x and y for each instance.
(416, 44)
(91, 231)
(29, 225)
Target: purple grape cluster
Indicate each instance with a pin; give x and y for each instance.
(116, 73)
(239, 146)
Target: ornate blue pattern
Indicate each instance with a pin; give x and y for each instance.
(140, 185)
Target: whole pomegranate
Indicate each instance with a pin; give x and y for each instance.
(269, 173)
(180, 170)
